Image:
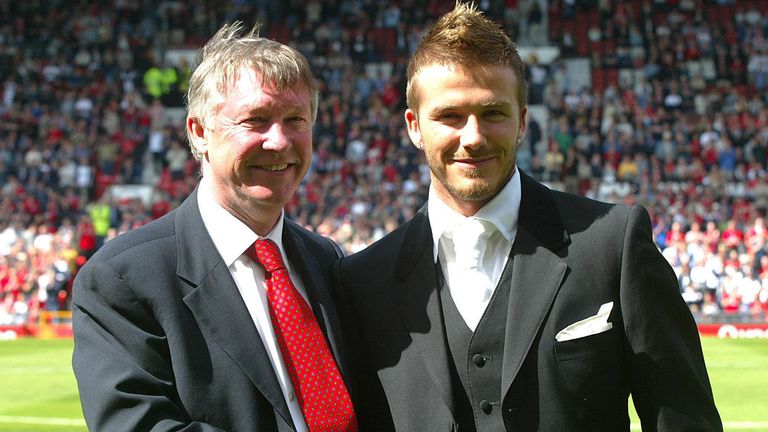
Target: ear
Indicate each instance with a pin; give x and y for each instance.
(197, 132)
(412, 123)
(523, 123)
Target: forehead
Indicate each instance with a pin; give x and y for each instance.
(248, 88)
(247, 80)
(440, 84)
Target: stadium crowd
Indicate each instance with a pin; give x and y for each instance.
(674, 118)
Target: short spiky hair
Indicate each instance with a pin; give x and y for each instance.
(220, 61)
(467, 38)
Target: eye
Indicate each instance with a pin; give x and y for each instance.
(448, 117)
(495, 115)
(255, 121)
(297, 120)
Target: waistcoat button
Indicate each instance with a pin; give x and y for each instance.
(486, 406)
(478, 360)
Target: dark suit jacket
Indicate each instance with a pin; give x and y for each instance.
(163, 339)
(570, 256)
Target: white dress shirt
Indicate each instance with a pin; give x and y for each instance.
(231, 238)
(472, 282)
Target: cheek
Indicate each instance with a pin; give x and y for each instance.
(502, 132)
(439, 141)
(238, 145)
(436, 160)
(302, 144)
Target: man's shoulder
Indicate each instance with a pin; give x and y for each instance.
(141, 257)
(569, 200)
(599, 219)
(578, 207)
(145, 241)
(385, 251)
(316, 243)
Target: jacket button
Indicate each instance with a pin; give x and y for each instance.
(478, 360)
(486, 406)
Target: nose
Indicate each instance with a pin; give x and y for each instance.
(275, 138)
(471, 136)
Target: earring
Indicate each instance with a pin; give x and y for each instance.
(519, 141)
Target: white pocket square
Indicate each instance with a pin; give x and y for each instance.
(589, 326)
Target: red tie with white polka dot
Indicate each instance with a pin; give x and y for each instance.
(316, 379)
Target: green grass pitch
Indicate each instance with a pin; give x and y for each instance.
(38, 391)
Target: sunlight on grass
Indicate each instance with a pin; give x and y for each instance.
(38, 385)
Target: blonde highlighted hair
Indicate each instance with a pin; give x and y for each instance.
(226, 53)
(465, 37)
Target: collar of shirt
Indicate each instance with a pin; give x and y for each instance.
(502, 211)
(229, 234)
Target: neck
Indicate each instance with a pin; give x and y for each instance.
(262, 224)
(259, 217)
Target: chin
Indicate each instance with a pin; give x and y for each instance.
(475, 192)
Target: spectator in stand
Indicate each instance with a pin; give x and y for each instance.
(712, 236)
(756, 236)
(176, 160)
(732, 236)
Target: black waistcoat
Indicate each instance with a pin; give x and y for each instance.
(477, 357)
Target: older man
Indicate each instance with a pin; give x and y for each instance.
(217, 316)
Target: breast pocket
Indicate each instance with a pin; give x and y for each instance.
(589, 346)
(591, 365)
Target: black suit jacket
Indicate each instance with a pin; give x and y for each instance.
(163, 339)
(571, 255)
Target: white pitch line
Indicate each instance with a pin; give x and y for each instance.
(50, 421)
(745, 425)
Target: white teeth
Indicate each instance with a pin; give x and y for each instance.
(279, 167)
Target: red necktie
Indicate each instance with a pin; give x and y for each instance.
(316, 379)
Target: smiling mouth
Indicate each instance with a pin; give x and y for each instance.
(275, 167)
(472, 161)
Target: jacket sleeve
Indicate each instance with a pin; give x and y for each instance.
(121, 358)
(668, 378)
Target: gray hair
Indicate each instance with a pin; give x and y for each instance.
(220, 61)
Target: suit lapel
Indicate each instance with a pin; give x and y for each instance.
(419, 304)
(536, 277)
(319, 295)
(218, 307)
(537, 274)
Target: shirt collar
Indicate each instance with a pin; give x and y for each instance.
(229, 234)
(502, 211)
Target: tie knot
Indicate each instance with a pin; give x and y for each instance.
(469, 241)
(266, 253)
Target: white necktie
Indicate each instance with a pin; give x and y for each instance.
(469, 282)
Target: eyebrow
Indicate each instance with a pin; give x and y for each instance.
(489, 103)
(493, 103)
(259, 109)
